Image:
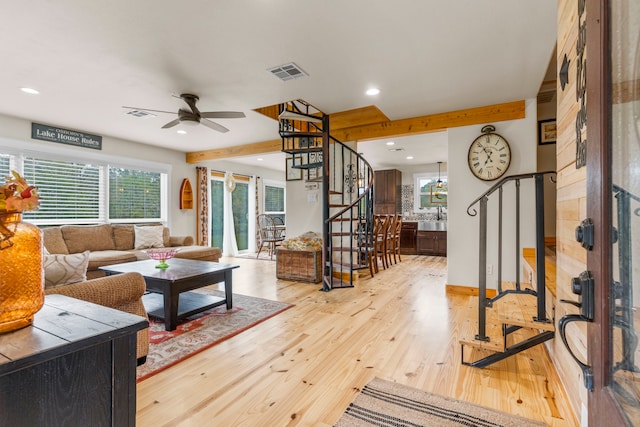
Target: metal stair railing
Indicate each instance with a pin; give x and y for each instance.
(347, 190)
(482, 201)
(350, 226)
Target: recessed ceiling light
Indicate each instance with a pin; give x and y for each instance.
(29, 90)
(390, 143)
(409, 157)
(181, 132)
(260, 159)
(373, 91)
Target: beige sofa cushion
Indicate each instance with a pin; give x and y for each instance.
(80, 238)
(53, 241)
(62, 269)
(102, 258)
(150, 236)
(123, 237)
(200, 253)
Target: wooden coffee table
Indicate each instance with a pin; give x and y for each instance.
(169, 297)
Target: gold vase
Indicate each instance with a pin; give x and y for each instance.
(21, 272)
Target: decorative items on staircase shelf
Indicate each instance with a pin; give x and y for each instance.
(186, 195)
(21, 275)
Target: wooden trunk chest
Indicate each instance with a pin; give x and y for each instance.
(304, 266)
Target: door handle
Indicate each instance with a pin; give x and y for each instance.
(583, 286)
(585, 234)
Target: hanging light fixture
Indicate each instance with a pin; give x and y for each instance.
(439, 183)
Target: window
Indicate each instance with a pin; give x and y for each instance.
(239, 210)
(428, 195)
(68, 190)
(80, 191)
(274, 199)
(134, 194)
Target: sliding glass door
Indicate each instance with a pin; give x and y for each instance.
(240, 213)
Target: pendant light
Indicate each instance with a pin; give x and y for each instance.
(439, 183)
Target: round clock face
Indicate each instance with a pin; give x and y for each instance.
(489, 156)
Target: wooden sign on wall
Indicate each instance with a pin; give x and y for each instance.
(65, 136)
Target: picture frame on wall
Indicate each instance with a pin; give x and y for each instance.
(293, 174)
(547, 132)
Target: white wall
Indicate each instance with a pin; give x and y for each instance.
(462, 236)
(304, 208)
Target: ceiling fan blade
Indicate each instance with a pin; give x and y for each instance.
(222, 114)
(171, 124)
(152, 111)
(214, 125)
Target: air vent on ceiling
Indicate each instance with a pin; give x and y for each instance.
(140, 114)
(547, 96)
(287, 72)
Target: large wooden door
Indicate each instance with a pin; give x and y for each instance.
(613, 203)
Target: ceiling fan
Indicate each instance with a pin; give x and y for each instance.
(195, 116)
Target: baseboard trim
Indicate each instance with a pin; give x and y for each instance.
(468, 290)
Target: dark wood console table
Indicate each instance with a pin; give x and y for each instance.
(75, 366)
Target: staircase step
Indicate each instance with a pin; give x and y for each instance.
(349, 265)
(511, 286)
(520, 310)
(338, 206)
(529, 257)
(296, 134)
(495, 343)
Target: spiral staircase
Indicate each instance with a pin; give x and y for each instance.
(346, 180)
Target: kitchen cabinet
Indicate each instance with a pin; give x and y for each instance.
(387, 189)
(408, 235)
(431, 243)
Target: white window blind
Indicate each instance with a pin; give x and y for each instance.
(68, 190)
(134, 194)
(274, 197)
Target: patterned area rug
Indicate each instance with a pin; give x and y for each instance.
(204, 330)
(384, 403)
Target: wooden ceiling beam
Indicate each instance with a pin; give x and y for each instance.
(433, 122)
(373, 127)
(236, 151)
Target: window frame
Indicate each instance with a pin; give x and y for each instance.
(417, 193)
(104, 162)
(278, 184)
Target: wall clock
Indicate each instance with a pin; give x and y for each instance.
(489, 155)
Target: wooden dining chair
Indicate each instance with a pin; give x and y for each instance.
(380, 226)
(395, 238)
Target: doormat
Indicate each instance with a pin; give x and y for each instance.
(385, 403)
(204, 330)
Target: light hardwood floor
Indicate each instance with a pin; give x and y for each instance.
(303, 366)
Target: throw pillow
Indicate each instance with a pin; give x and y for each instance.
(148, 236)
(61, 269)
